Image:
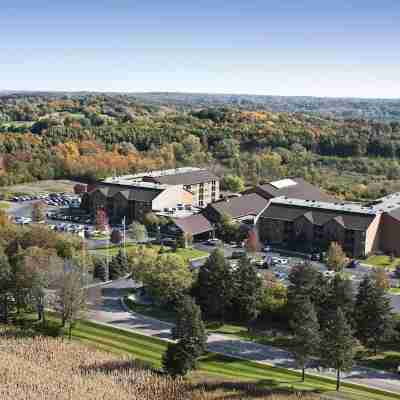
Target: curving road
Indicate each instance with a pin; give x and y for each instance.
(111, 311)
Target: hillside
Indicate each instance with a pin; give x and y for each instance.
(90, 136)
(376, 109)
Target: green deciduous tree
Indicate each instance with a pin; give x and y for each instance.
(233, 183)
(337, 345)
(137, 232)
(71, 297)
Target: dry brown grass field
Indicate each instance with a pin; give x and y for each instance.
(47, 186)
(56, 369)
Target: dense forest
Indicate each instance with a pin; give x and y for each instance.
(90, 136)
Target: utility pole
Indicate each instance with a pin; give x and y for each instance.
(124, 233)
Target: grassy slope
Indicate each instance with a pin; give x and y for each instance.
(151, 350)
(382, 261)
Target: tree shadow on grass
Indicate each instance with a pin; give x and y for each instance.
(109, 367)
(242, 390)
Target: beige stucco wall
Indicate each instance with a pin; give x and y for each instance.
(172, 196)
(372, 235)
(204, 192)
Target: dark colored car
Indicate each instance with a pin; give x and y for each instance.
(238, 254)
(353, 264)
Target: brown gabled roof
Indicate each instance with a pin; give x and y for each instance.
(186, 178)
(349, 220)
(302, 190)
(131, 193)
(248, 204)
(195, 224)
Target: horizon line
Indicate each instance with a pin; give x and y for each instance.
(166, 92)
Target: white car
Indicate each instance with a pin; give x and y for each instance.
(266, 249)
(279, 260)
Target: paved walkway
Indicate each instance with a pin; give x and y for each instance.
(112, 312)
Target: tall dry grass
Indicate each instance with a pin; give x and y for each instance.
(40, 368)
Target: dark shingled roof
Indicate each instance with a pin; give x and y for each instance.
(186, 178)
(349, 220)
(131, 193)
(195, 224)
(303, 190)
(237, 207)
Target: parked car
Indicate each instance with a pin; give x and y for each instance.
(329, 274)
(213, 242)
(238, 254)
(353, 264)
(315, 257)
(168, 242)
(266, 249)
(279, 260)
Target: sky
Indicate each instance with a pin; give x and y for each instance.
(332, 48)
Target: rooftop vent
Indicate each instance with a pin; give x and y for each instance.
(283, 183)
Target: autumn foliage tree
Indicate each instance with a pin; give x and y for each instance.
(38, 214)
(336, 258)
(252, 242)
(101, 219)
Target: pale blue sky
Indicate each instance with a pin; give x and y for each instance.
(309, 47)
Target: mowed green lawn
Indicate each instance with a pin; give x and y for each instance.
(187, 254)
(383, 261)
(151, 349)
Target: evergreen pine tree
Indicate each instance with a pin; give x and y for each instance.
(179, 358)
(189, 325)
(215, 286)
(247, 286)
(100, 269)
(373, 314)
(339, 294)
(119, 265)
(338, 344)
(305, 326)
(302, 281)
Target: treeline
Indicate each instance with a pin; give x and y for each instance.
(92, 136)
